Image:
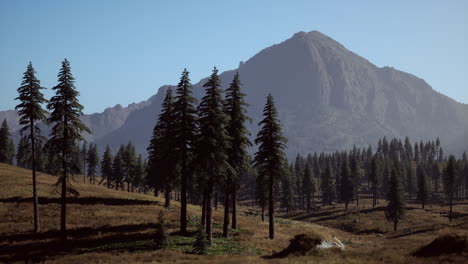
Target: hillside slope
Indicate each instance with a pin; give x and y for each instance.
(109, 226)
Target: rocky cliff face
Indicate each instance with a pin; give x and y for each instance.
(328, 98)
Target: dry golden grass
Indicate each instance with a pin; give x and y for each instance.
(109, 226)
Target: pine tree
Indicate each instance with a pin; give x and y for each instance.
(374, 177)
(31, 113)
(7, 150)
(235, 109)
(328, 186)
(450, 187)
(66, 131)
(139, 173)
(23, 153)
(106, 166)
(287, 190)
(92, 158)
(309, 185)
(213, 144)
(346, 186)
(422, 185)
(270, 155)
(161, 237)
(84, 155)
(201, 244)
(162, 156)
(410, 188)
(185, 119)
(396, 205)
(117, 168)
(356, 176)
(129, 162)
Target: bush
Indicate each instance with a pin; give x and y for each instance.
(200, 245)
(161, 237)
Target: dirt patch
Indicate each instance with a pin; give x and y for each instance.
(448, 244)
(300, 245)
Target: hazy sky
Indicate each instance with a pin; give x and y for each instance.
(123, 51)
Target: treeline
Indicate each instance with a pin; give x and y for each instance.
(199, 151)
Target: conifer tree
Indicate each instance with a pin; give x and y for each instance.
(139, 173)
(396, 206)
(66, 130)
(129, 162)
(450, 187)
(235, 109)
(31, 113)
(117, 169)
(287, 189)
(356, 176)
(374, 176)
(84, 155)
(92, 158)
(161, 237)
(213, 144)
(162, 156)
(201, 244)
(346, 186)
(270, 155)
(106, 166)
(422, 185)
(7, 148)
(185, 116)
(309, 185)
(410, 188)
(328, 186)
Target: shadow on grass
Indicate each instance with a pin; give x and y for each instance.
(78, 243)
(82, 200)
(75, 233)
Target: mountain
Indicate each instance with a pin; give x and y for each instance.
(328, 98)
(100, 123)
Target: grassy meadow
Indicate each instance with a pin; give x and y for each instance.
(110, 226)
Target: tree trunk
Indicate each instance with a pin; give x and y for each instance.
(35, 198)
(183, 202)
(451, 203)
(63, 210)
(226, 214)
(357, 197)
(308, 202)
(209, 214)
(203, 218)
(167, 195)
(271, 210)
(263, 212)
(234, 208)
(395, 225)
(346, 206)
(216, 201)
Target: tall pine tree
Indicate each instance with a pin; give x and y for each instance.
(31, 113)
(270, 155)
(106, 166)
(7, 148)
(162, 156)
(396, 204)
(212, 146)
(185, 116)
(235, 109)
(66, 130)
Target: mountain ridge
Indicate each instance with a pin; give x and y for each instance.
(328, 98)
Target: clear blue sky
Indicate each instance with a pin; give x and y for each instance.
(123, 51)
